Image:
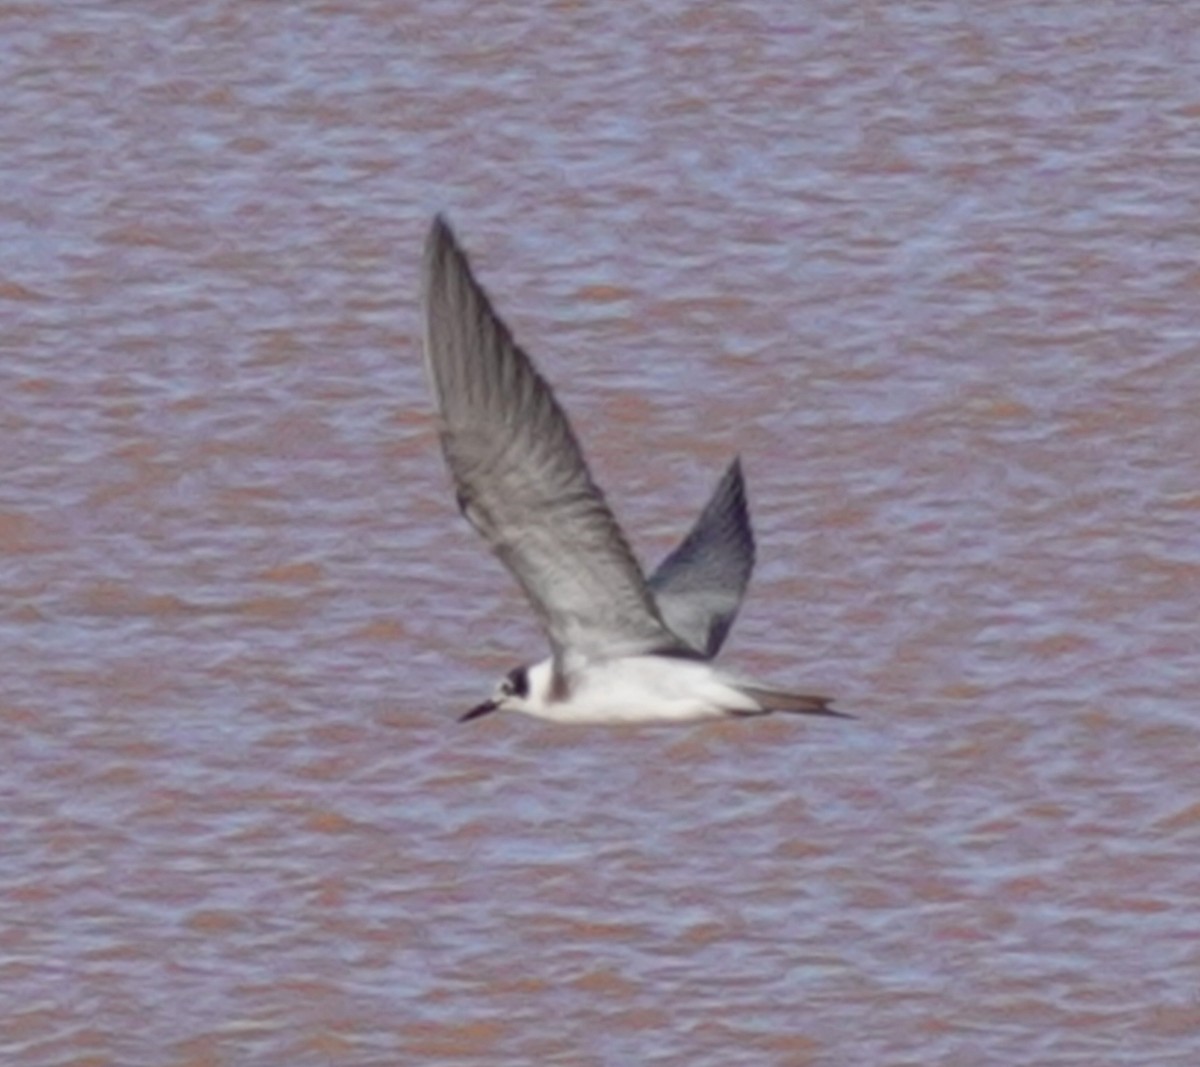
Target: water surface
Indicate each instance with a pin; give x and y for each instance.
(930, 269)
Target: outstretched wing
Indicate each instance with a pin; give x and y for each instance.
(700, 585)
(521, 478)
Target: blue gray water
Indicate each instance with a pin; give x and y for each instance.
(931, 269)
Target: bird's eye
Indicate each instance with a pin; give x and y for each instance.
(518, 682)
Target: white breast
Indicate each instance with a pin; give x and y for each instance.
(646, 689)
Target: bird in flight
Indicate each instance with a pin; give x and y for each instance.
(623, 648)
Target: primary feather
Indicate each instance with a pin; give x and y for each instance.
(700, 585)
(521, 478)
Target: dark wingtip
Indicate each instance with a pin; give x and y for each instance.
(440, 237)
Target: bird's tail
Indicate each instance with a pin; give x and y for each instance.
(797, 703)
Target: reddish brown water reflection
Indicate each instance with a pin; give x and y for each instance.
(930, 270)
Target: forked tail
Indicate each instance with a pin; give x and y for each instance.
(797, 703)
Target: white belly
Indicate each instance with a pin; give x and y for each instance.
(647, 689)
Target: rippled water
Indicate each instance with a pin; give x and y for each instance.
(931, 269)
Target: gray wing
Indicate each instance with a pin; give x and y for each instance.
(699, 587)
(520, 475)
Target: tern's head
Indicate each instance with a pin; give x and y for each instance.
(521, 689)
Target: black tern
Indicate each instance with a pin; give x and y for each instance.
(624, 649)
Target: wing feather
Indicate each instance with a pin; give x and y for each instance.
(520, 475)
(699, 587)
